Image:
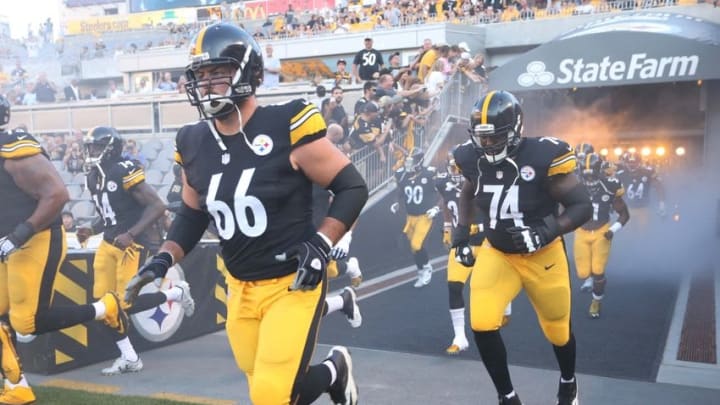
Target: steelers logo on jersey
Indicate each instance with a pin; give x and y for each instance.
(111, 186)
(527, 173)
(262, 145)
(605, 198)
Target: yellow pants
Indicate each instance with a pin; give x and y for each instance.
(591, 250)
(27, 278)
(416, 229)
(272, 333)
(114, 268)
(497, 278)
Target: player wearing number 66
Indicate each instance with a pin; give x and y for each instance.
(250, 169)
(519, 184)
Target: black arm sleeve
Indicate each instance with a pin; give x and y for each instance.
(188, 227)
(350, 194)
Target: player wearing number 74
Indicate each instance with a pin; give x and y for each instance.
(519, 184)
(250, 169)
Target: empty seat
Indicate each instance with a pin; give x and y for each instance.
(75, 191)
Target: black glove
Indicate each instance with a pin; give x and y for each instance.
(609, 235)
(529, 239)
(461, 244)
(12, 242)
(312, 257)
(153, 270)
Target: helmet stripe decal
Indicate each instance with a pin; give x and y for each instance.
(485, 107)
(198, 49)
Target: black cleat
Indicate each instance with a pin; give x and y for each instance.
(515, 400)
(343, 391)
(567, 393)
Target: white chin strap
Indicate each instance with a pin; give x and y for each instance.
(498, 157)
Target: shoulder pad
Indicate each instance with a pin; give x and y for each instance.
(559, 153)
(130, 173)
(18, 144)
(306, 124)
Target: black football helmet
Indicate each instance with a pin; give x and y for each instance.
(414, 160)
(583, 149)
(4, 111)
(216, 45)
(102, 145)
(592, 171)
(633, 161)
(496, 125)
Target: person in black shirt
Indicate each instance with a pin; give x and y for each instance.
(367, 63)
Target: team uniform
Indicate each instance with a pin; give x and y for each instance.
(637, 184)
(417, 194)
(258, 214)
(510, 196)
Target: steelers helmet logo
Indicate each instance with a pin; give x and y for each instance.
(160, 323)
(111, 186)
(262, 145)
(527, 173)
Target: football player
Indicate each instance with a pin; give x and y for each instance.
(638, 179)
(518, 183)
(32, 248)
(593, 239)
(127, 208)
(581, 150)
(449, 185)
(416, 192)
(251, 168)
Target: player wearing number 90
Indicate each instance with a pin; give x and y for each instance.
(127, 208)
(250, 169)
(519, 183)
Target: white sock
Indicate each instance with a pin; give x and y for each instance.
(458, 321)
(127, 351)
(352, 271)
(562, 380)
(333, 372)
(174, 294)
(22, 383)
(510, 395)
(508, 309)
(99, 309)
(334, 303)
(597, 297)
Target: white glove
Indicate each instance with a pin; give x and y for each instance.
(6, 248)
(342, 247)
(432, 212)
(661, 209)
(394, 208)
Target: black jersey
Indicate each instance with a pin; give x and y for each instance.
(368, 62)
(602, 197)
(17, 206)
(417, 189)
(259, 203)
(111, 192)
(637, 185)
(515, 194)
(449, 190)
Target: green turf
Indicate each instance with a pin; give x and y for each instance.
(60, 396)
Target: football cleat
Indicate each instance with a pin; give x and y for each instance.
(122, 366)
(595, 309)
(187, 302)
(115, 316)
(353, 271)
(587, 286)
(458, 345)
(424, 276)
(18, 395)
(343, 391)
(11, 368)
(567, 393)
(350, 307)
(514, 400)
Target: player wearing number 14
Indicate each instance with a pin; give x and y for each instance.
(519, 183)
(250, 169)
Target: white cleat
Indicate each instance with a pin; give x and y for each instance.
(122, 366)
(187, 302)
(587, 285)
(424, 276)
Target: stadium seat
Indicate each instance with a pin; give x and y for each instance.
(75, 191)
(163, 192)
(78, 178)
(66, 176)
(169, 177)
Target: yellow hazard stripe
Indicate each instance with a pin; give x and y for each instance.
(192, 399)
(81, 386)
(485, 107)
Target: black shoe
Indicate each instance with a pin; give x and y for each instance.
(350, 307)
(515, 400)
(343, 391)
(567, 393)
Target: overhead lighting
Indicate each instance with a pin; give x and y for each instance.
(660, 151)
(618, 151)
(604, 151)
(680, 151)
(632, 149)
(645, 151)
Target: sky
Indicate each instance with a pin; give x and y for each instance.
(20, 13)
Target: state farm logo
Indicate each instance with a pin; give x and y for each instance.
(536, 74)
(639, 67)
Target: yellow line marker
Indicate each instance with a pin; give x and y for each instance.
(191, 399)
(81, 386)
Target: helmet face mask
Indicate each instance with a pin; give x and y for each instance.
(496, 125)
(592, 171)
(633, 161)
(226, 67)
(414, 160)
